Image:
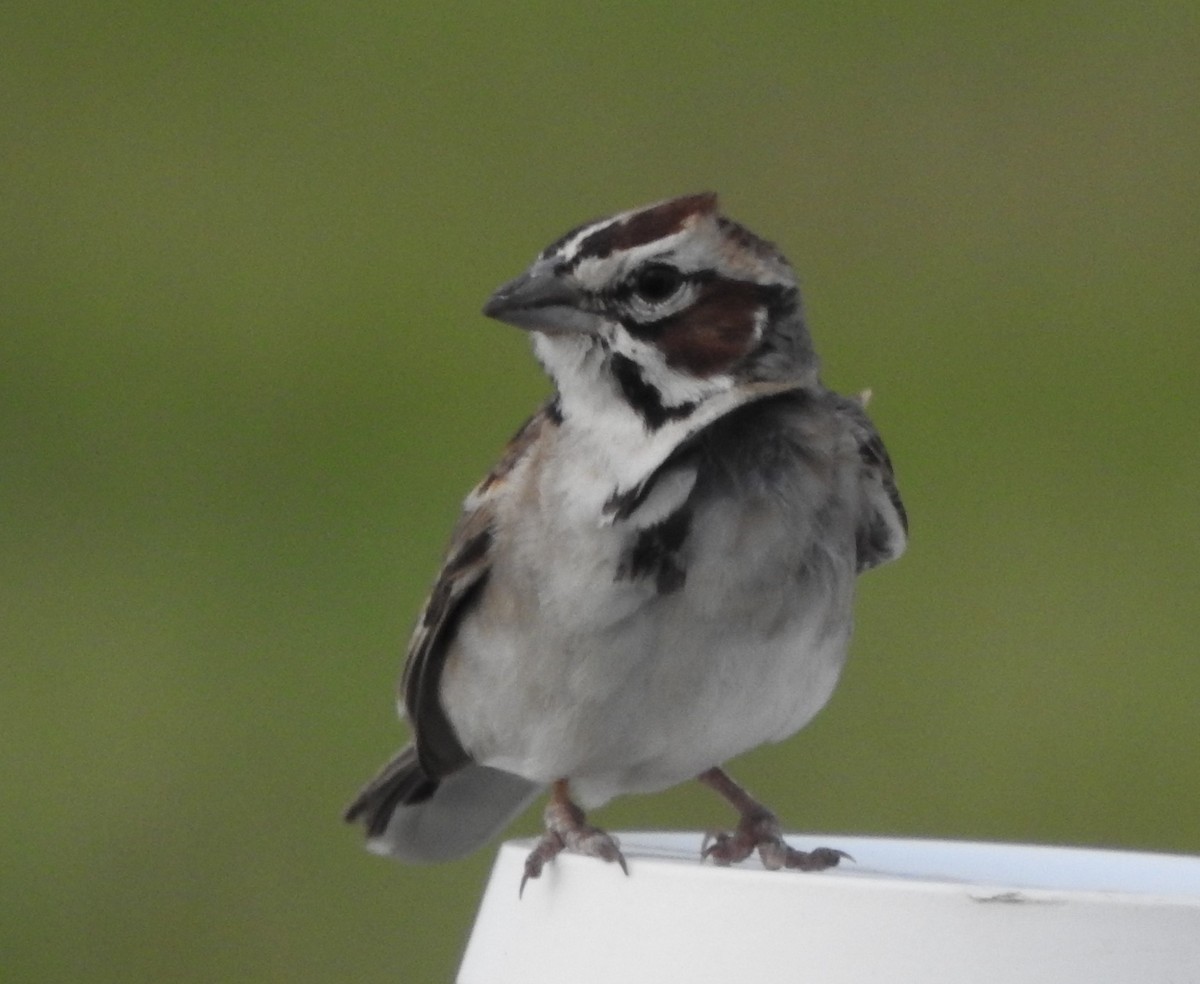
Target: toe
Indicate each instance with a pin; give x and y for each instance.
(816, 860)
(548, 848)
(597, 844)
(726, 849)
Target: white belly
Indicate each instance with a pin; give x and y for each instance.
(565, 671)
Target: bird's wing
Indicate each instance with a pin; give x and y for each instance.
(458, 588)
(882, 531)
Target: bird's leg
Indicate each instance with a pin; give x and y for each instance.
(567, 829)
(758, 828)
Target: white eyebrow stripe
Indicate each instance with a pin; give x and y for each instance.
(661, 248)
(567, 250)
(597, 271)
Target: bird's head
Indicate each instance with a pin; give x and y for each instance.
(661, 308)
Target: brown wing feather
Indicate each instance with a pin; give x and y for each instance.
(459, 586)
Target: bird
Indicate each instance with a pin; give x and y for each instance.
(658, 575)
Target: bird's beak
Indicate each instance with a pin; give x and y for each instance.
(540, 300)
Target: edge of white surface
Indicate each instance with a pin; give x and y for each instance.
(999, 865)
(928, 911)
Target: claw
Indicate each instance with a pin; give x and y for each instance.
(547, 849)
(567, 830)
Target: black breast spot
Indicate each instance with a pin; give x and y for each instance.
(655, 554)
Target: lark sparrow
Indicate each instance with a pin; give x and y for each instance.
(658, 575)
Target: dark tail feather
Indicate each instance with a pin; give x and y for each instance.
(412, 817)
(399, 783)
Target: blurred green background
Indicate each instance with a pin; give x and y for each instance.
(245, 385)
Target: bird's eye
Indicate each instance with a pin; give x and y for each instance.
(656, 282)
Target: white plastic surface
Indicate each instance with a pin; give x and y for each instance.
(905, 912)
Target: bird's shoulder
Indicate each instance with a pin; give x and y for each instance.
(809, 446)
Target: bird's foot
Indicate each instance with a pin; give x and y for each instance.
(760, 831)
(567, 829)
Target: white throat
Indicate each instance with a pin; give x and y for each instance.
(612, 436)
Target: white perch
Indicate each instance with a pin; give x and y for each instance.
(905, 912)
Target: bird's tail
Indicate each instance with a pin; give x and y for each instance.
(413, 817)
